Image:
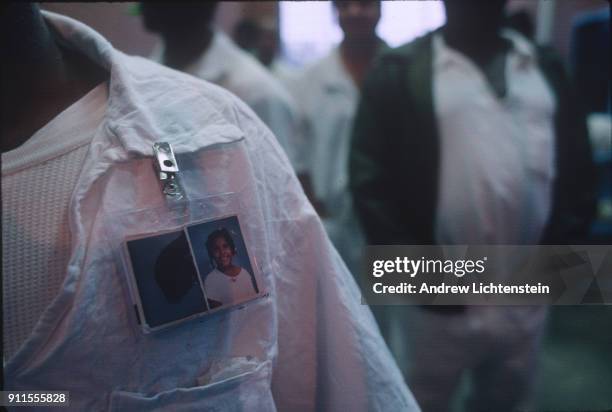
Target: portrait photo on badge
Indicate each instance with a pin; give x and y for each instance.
(223, 262)
(166, 278)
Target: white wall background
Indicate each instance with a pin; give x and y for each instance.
(309, 29)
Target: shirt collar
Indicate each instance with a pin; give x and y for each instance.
(134, 114)
(337, 78)
(521, 47)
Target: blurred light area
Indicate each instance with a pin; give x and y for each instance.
(309, 29)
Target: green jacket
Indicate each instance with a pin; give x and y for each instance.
(395, 154)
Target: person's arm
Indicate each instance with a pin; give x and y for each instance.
(576, 185)
(289, 126)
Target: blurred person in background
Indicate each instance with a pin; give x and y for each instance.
(590, 58)
(247, 34)
(260, 38)
(79, 122)
(270, 54)
(328, 91)
(590, 63)
(472, 135)
(267, 44)
(522, 22)
(190, 43)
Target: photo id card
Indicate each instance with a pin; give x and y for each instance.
(189, 272)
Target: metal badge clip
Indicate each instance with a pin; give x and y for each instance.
(168, 170)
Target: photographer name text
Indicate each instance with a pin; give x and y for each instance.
(473, 288)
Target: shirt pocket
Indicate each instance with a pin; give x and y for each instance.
(219, 183)
(249, 391)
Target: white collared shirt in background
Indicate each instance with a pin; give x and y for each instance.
(328, 97)
(497, 154)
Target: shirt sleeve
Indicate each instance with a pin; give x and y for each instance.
(325, 334)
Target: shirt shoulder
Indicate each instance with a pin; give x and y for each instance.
(244, 272)
(156, 79)
(212, 276)
(408, 51)
(177, 104)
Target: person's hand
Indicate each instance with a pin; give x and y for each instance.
(319, 207)
(306, 183)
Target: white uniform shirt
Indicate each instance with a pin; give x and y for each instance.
(497, 154)
(226, 65)
(308, 332)
(38, 178)
(286, 74)
(229, 289)
(495, 184)
(329, 98)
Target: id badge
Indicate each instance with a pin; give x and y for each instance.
(196, 270)
(189, 258)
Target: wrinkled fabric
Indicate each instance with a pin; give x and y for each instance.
(226, 65)
(497, 155)
(314, 345)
